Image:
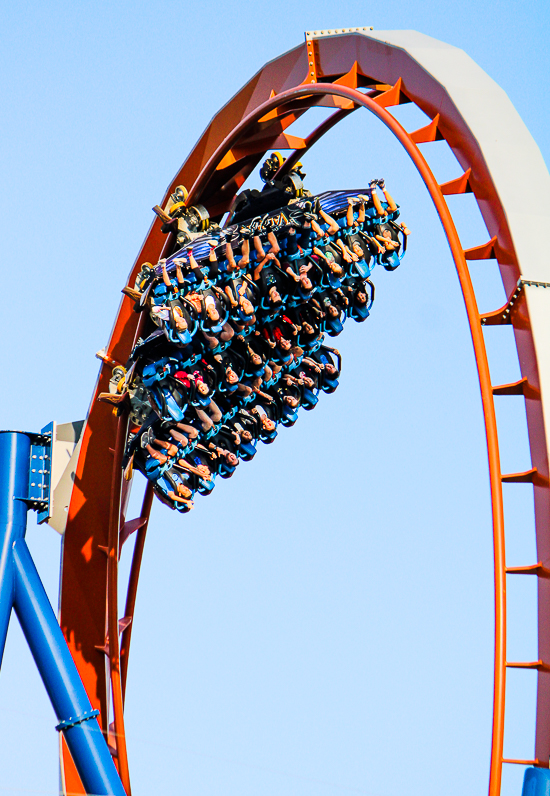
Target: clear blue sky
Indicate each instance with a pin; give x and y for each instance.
(322, 624)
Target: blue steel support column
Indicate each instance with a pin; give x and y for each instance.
(536, 782)
(22, 589)
(15, 450)
(61, 679)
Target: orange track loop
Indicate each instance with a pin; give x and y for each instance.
(481, 360)
(238, 135)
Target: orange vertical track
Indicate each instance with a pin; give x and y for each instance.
(112, 602)
(133, 584)
(235, 141)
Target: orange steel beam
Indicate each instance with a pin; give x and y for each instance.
(278, 90)
(112, 642)
(133, 584)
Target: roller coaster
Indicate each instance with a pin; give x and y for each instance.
(221, 336)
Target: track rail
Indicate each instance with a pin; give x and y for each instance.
(375, 71)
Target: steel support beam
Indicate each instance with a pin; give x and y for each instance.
(22, 589)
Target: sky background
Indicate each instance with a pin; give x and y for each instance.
(322, 624)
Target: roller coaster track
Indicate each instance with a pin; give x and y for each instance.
(345, 70)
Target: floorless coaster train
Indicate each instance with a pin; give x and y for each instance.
(231, 347)
(224, 338)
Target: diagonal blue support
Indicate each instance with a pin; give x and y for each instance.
(22, 589)
(61, 679)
